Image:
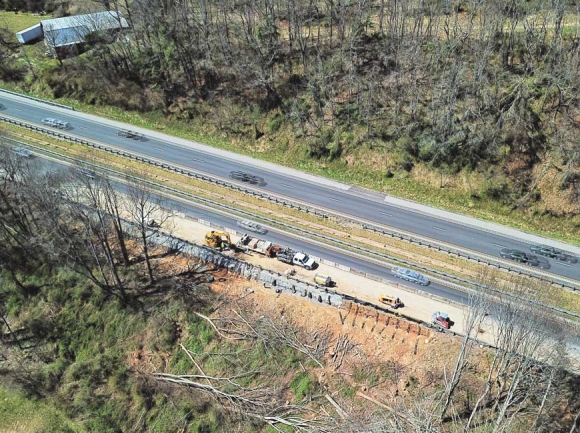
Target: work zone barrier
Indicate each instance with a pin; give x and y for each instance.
(413, 239)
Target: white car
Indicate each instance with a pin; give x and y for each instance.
(412, 276)
(25, 153)
(252, 226)
(55, 123)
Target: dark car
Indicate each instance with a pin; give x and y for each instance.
(244, 177)
(130, 134)
(544, 250)
(554, 253)
(567, 258)
(515, 255)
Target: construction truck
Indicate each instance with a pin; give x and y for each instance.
(391, 301)
(295, 258)
(440, 320)
(260, 246)
(221, 240)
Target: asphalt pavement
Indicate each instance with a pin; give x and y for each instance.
(314, 249)
(440, 225)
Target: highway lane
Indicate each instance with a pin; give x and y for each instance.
(361, 265)
(190, 209)
(319, 251)
(347, 202)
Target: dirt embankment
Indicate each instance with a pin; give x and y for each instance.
(378, 355)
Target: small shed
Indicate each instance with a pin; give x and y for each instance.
(61, 32)
(30, 34)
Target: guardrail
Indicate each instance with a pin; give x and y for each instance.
(323, 213)
(321, 292)
(229, 210)
(44, 101)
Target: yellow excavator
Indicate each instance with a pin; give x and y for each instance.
(219, 240)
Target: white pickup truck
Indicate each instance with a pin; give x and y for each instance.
(294, 258)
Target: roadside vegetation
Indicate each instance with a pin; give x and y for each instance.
(102, 329)
(471, 106)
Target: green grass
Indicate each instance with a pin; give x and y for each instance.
(15, 22)
(303, 385)
(19, 413)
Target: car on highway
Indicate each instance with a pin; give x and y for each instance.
(515, 255)
(544, 250)
(411, 276)
(567, 258)
(245, 177)
(252, 226)
(130, 134)
(55, 123)
(554, 253)
(83, 172)
(25, 153)
(519, 256)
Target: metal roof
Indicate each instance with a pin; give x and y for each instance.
(97, 21)
(59, 32)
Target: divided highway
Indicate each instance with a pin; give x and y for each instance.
(331, 195)
(296, 243)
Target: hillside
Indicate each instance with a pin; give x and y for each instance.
(102, 328)
(470, 106)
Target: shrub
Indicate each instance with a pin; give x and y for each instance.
(302, 385)
(275, 123)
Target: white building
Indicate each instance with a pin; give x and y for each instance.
(66, 31)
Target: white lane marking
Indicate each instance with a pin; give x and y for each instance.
(284, 185)
(334, 199)
(498, 245)
(158, 148)
(563, 264)
(198, 160)
(440, 229)
(18, 109)
(385, 213)
(84, 127)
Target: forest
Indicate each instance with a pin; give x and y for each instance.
(480, 90)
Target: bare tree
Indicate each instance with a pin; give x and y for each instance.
(148, 215)
(528, 348)
(476, 312)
